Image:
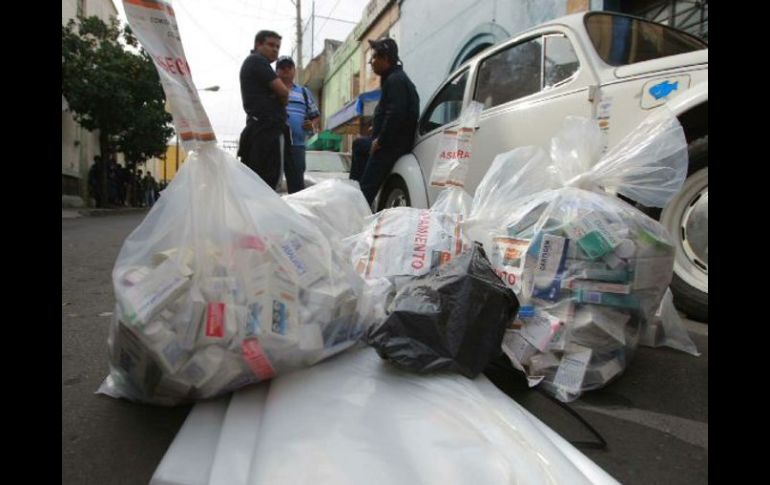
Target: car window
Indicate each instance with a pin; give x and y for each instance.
(510, 74)
(561, 62)
(621, 40)
(446, 106)
(326, 162)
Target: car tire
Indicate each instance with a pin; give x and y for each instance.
(394, 194)
(686, 219)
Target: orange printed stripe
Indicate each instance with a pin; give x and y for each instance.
(372, 250)
(153, 4)
(191, 135)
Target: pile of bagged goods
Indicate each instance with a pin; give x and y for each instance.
(225, 283)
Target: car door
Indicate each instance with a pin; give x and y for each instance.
(527, 87)
(442, 113)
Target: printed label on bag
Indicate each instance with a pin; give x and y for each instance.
(572, 371)
(407, 241)
(257, 359)
(215, 320)
(540, 329)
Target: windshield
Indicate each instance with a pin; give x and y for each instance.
(621, 40)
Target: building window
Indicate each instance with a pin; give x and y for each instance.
(81, 12)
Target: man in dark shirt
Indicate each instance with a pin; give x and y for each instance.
(265, 143)
(394, 122)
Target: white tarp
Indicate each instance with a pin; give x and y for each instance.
(355, 419)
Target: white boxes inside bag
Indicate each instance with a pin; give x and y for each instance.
(589, 270)
(249, 310)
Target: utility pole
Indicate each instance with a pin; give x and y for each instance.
(312, 31)
(298, 4)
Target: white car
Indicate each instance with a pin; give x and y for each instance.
(322, 165)
(612, 67)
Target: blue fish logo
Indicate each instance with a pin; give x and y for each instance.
(663, 89)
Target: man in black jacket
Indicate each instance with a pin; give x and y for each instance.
(394, 123)
(265, 143)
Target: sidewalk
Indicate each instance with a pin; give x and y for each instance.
(72, 213)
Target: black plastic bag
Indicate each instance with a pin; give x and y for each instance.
(452, 318)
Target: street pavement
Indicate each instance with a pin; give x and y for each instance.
(654, 418)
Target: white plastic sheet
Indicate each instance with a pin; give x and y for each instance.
(354, 419)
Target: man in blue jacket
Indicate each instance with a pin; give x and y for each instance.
(394, 123)
(303, 118)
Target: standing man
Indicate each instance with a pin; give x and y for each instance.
(395, 119)
(264, 144)
(149, 189)
(303, 117)
(95, 180)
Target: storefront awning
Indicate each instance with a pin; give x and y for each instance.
(348, 118)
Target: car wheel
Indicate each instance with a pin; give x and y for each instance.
(686, 218)
(395, 194)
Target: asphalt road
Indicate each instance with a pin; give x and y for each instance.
(654, 418)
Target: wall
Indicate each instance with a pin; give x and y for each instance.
(385, 26)
(433, 33)
(338, 85)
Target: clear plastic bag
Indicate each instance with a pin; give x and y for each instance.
(397, 245)
(222, 285)
(453, 200)
(667, 329)
(404, 241)
(337, 207)
(589, 269)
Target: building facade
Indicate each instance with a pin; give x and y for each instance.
(78, 145)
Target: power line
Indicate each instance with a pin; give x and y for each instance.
(338, 20)
(206, 33)
(329, 14)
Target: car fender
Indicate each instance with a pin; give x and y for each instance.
(409, 169)
(689, 99)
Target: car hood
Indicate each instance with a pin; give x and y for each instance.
(312, 178)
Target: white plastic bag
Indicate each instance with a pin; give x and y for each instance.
(648, 166)
(338, 207)
(453, 200)
(589, 269)
(404, 241)
(399, 244)
(667, 330)
(223, 284)
(450, 166)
